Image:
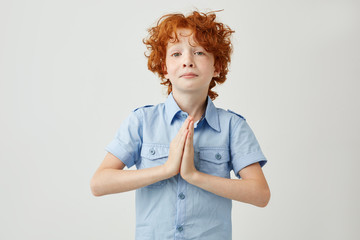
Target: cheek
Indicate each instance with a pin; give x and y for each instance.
(208, 65)
(170, 66)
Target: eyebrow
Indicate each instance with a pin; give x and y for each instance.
(172, 45)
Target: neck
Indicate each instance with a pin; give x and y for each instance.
(193, 104)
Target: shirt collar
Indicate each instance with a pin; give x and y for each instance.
(171, 108)
(211, 113)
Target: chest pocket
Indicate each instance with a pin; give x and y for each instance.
(153, 155)
(215, 161)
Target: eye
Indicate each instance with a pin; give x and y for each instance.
(199, 53)
(177, 54)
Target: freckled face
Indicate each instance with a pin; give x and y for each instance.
(189, 66)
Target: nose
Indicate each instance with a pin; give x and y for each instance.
(189, 64)
(188, 61)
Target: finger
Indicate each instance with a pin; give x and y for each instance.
(192, 132)
(182, 139)
(182, 129)
(188, 137)
(187, 122)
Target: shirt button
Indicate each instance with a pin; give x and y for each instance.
(181, 196)
(180, 228)
(152, 151)
(218, 156)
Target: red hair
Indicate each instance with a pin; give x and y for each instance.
(213, 36)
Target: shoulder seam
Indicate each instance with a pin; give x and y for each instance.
(236, 114)
(146, 106)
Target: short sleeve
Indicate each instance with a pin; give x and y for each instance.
(244, 147)
(127, 142)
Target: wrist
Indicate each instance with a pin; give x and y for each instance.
(168, 171)
(190, 177)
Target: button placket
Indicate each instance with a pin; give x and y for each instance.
(179, 228)
(180, 207)
(181, 196)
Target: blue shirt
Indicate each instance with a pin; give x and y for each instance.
(173, 208)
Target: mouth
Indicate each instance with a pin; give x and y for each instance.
(189, 75)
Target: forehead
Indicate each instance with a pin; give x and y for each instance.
(182, 35)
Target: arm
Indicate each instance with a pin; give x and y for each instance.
(111, 178)
(252, 188)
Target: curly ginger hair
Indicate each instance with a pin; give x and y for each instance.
(213, 36)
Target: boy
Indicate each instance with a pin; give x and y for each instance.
(185, 148)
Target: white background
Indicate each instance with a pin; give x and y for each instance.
(71, 71)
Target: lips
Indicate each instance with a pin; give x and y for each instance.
(189, 75)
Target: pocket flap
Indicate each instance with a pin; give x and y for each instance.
(153, 151)
(215, 155)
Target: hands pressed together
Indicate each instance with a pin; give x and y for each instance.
(181, 153)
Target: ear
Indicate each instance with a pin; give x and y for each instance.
(216, 73)
(217, 70)
(165, 71)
